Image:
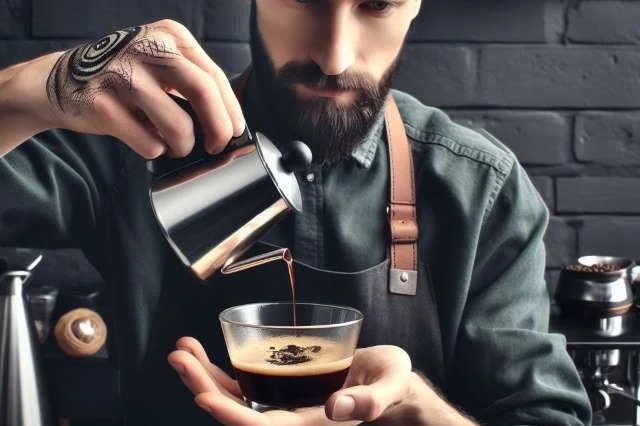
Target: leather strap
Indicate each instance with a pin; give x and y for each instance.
(403, 225)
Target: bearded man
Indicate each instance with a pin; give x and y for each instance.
(451, 280)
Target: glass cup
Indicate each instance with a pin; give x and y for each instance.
(282, 366)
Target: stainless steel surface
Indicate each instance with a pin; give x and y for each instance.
(589, 290)
(280, 254)
(614, 389)
(22, 397)
(603, 359)
(41, 302)
(212, 208)
(637, 395)
(612, 326)
(216, 211)
(232, 247)
(597, 292)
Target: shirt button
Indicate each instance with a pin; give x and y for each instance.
(310, 177)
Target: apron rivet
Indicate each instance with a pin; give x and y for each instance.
(404, 277)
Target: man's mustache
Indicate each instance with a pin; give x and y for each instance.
(310, 74)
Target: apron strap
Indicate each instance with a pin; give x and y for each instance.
(403, 271)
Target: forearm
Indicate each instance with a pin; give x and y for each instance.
(23, 103)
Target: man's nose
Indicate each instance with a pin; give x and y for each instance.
(335, 51)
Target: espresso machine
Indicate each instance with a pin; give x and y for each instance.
(595, 310)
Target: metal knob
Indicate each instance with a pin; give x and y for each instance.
(297, 157)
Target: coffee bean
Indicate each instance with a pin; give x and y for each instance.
(596, 267)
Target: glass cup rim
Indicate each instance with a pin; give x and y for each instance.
(360, 317)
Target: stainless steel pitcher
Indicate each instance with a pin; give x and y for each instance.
(212, 208)
(23, 399)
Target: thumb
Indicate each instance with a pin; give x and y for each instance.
(364, 402)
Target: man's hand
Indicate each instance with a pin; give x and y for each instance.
(380, 388)
(118, 85)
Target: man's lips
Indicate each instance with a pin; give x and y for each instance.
(312, 91)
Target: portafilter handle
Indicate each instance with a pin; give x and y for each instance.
(613, 389)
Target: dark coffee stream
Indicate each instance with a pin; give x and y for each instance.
(292, 284)
(291, 354)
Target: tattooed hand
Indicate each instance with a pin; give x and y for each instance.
(118, 85)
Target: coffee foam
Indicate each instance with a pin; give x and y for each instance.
(253, 357)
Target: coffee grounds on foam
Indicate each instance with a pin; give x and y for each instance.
(292, 354)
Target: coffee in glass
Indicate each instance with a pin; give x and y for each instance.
(279, 365)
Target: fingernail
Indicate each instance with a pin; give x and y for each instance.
(215, 149)
(179, 368)
(204, 406)
(343, 408)
(238, 131)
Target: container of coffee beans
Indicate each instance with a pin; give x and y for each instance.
(596, 286)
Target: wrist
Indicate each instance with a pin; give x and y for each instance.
(24, 107)
(25, 93)
(9, 72)
(431, 408)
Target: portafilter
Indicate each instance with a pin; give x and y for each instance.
(212, 208)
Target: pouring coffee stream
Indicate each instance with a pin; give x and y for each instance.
(279, 254)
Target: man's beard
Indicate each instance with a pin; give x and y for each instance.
(330, 129)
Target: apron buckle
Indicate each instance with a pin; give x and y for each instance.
(403, 281)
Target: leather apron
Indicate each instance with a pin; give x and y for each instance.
(393, 315)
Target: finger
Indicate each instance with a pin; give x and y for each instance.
(366, 402)
(121, 123)
(305, 416)
(239, 414)
(377, 363)
(172, 122)
(192, 373)
(231, 413)
(203, 94)
(193, 346)
(192, 50)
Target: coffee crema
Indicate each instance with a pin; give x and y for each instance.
(291, 384)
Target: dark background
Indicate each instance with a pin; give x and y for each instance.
(556, 80)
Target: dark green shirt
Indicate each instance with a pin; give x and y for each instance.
(481, 236)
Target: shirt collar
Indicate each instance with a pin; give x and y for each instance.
(366, 151)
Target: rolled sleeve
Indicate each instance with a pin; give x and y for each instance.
(518, 373)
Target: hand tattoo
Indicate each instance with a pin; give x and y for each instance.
(104, 65)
